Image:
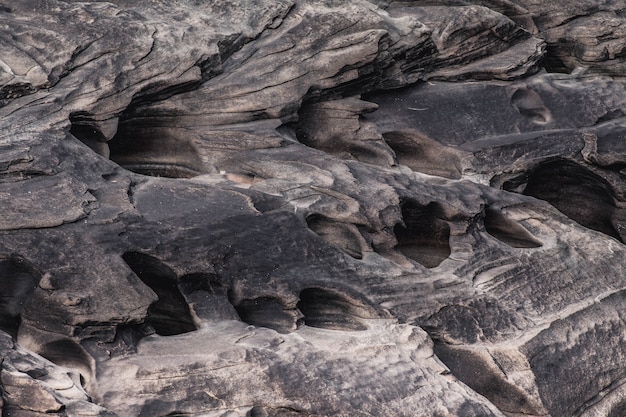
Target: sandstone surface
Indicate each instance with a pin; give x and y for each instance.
(312, 208)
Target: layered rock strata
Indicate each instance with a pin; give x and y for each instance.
(312, 208)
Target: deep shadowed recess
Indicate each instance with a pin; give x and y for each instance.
(140, 147)
(151, 151)
(423, 236)
(508, 231)
(330, 310)
(552, 62)
(576, 192)
(71, 355)
(17, 283)
(267, 312)
(170, 314)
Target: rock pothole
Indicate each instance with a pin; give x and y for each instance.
(138, 146)
(324, 308)
(508, 231)
(575, 191)
(170, 314)
(328, 309)
(267, 311)
(554, 63)
(423, 236)
(17, 283)
(150, 152)
(71, 355)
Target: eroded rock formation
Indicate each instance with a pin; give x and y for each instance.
(312, 208)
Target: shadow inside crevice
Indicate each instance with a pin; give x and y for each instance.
(17, 284)
(423, 236)
(170, 314)
(577, 192)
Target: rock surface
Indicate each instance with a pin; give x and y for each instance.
(312, 208)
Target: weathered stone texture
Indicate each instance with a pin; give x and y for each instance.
(312, 208)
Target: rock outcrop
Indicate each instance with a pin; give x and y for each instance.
(312, 208)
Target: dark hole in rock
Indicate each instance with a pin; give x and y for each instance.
(341, 235)
(552, 62)
(264, 202)
(17, 283)
(328, 309)
(423, 237)
(152, 151)
(198, 281)
(257, 412)
(84, 129)
(170, 314)
(71, 355)
(575, 191)
(267, 312)
(37, 373)
(508, 231)
(288, 131)
(166, 407)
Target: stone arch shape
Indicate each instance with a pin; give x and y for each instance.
(577, 192)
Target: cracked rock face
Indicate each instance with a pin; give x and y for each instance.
(312, 208)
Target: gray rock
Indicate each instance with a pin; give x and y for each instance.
(313, 208)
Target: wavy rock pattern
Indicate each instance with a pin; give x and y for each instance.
(312, 208)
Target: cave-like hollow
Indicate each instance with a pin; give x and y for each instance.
(508, 231)
(71, 355)
(331, 310)
(266, 311)
(17, 283)
(141, 145)
(154, 151)
(170, 314)
(577, 192)
(423, 236)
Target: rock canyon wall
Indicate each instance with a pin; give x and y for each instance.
(289, 208)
